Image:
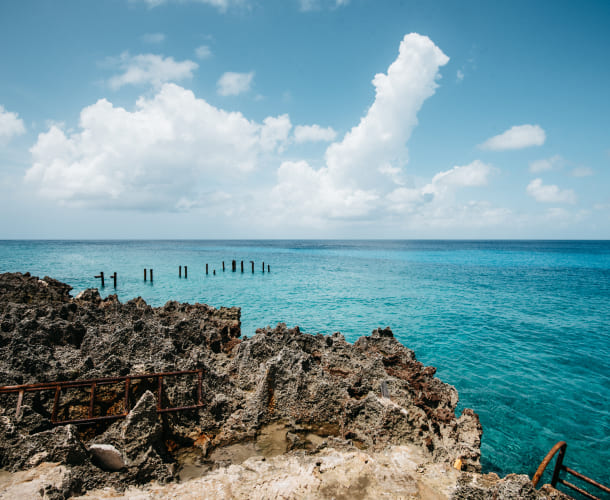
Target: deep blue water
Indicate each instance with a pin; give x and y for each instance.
(520, 328)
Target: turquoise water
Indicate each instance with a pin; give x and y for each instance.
(520, 328)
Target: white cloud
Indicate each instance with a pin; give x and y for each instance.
(459, 75)
(380, 137)
(313, 133)
(517, 137)
(173, 151)
(275, 132)
(550, 193)
(203, 52)
(367, 164)
(234, 83)
(545, 164)
(582, 171)
(149, 69)
(309, 5)
(10, 125)
(221, 5)
(153, 38)
(474, 174)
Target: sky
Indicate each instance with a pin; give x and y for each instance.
(214, 119)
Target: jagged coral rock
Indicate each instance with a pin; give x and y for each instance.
(280, 390)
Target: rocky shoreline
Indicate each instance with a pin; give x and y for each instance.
(333, 419)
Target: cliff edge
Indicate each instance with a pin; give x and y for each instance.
(282, 402)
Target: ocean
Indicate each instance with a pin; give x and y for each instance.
(520, 328)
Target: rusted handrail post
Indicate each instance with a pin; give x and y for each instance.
(92, 399)
(546, 460)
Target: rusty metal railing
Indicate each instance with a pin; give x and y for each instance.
(560, 448)
(93, 384)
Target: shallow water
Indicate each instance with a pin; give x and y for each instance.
(522, 329)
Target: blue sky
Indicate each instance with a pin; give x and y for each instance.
(304, 119)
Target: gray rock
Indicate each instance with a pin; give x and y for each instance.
(107, 457)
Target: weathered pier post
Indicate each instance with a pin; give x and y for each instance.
(263, 268)
(151, 275)
(206, 269)
(113, 276)
(144, 274)
(101, 275)
(214, 272)
(185, 272)
(242, 266)
(252, 262)
(268, 268)
(223, 266)
(179, 271)
(234, 266)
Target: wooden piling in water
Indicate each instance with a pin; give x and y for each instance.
(101, 275)
(113, 276)
(151, 275)
(268, 268)
(234, 265)
(223, 266)
(263, 267)
(242, 266)
(206, 269)
(185, 272)
(144, 274)
(252, 262)
(179, 271)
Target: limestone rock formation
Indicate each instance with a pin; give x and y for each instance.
(281, 392)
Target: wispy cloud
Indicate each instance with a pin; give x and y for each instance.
(582, 171)
(310, 5)
(231, 83)
(545, 164)
(313, 133)
(10, 125)
(203, 52)
(517, 137)
(149, 69)
(221, 5)
(550, 193)
(153, 38)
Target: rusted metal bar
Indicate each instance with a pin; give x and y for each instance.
(178, 408)
(159, 392)
(94, 383)
(80, 421)
(546, 460)
(580, 490)
(55, 403)
(199, 387)
(586, 479)
(19, 401)
(558, 464)
(92, 399)
(70, 384)
(126, 400)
